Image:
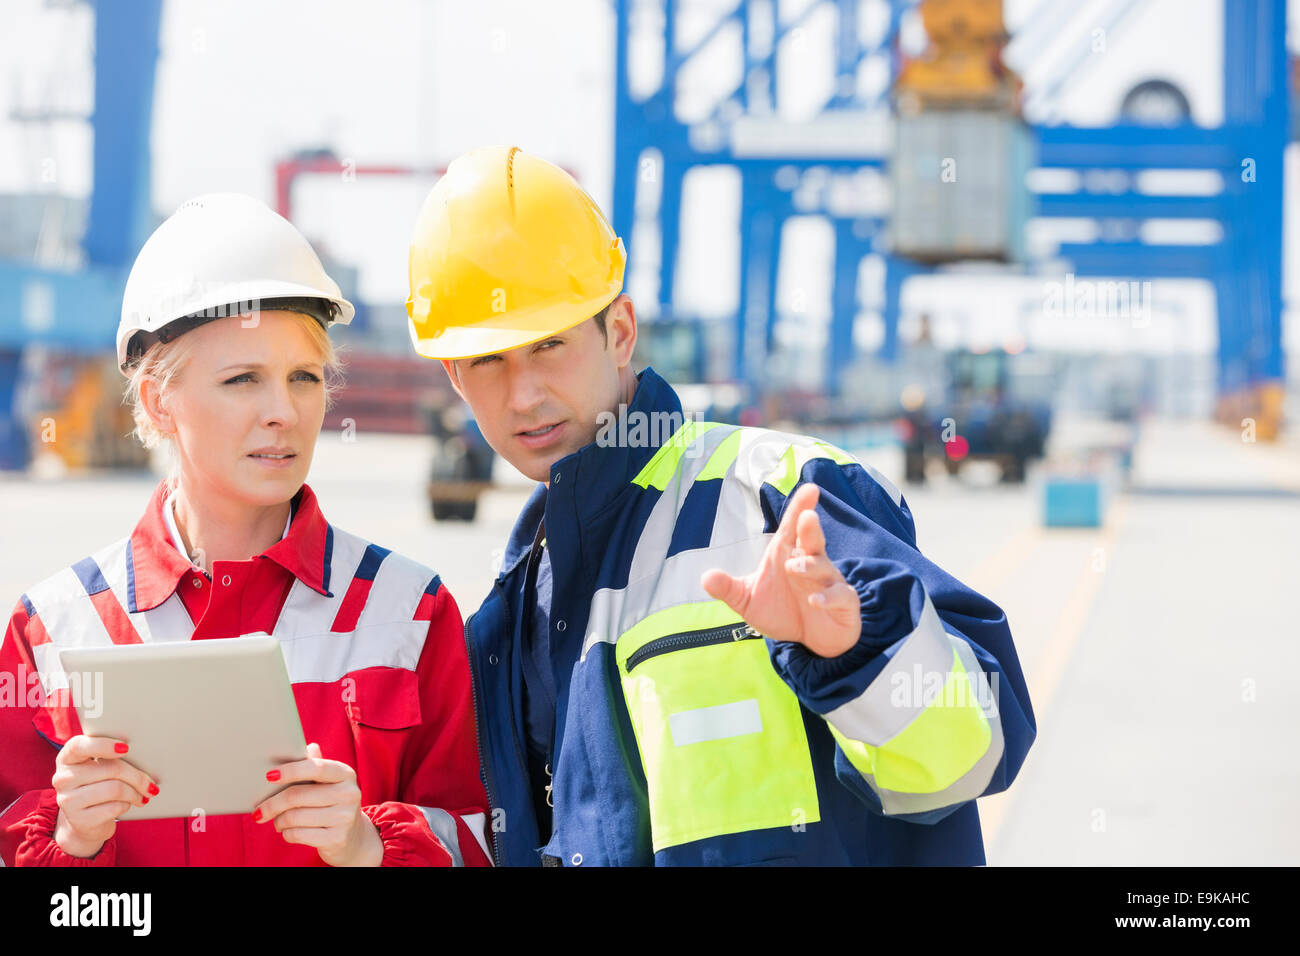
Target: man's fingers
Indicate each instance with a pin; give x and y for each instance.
(809, 537)
(723, 587)
(804, 498)
(812, 571)
(840, 599)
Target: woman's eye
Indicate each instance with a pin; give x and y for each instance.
(246, 377)
(307, 377)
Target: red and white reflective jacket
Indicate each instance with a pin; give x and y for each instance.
(375, 652)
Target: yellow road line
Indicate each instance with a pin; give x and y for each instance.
(1052, 663)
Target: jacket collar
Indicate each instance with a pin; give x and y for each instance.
(596, 474)
(155, 567)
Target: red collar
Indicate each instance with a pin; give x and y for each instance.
(155, 567)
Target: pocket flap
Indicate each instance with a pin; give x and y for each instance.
(384, 697)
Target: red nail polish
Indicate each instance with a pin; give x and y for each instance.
(153, 789)
(273, 775)
(257, 815)
(145, 799)
(120, 748)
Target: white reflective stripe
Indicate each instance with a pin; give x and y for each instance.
(715, 723)
(443, 825)
(396, 592)
(762, 450)
(477, 823)
(305, 610)
(70, 620)
(169, 621)
(890, 488)
(897, 695)
(326, 657)
(614, 610)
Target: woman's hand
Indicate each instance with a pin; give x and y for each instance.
(94, 786)
(322, 809)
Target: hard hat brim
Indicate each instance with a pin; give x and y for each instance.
(509, 330)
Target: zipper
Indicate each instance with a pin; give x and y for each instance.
(689, 639)
(483, 771)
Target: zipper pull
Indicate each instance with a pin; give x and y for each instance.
(744, 631)
(549, 783)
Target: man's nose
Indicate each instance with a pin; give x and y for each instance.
(526, 392)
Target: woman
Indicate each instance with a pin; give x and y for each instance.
(224, 340)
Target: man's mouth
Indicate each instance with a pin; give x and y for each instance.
(538, 432)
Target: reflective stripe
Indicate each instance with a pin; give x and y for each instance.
(881, 711)
(396, 592)
(307, 611)
(328, 657)
(786, 475)
(661, 468)
(477, 823)
(715, 723)
(614, 610)
(70, 620)
(443, 825)
(925, 733)
(168, 621)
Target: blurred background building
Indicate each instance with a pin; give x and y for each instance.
(1026, 256)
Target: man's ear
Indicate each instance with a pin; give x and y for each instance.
(151, 400)
(450, 366)
(620, 324)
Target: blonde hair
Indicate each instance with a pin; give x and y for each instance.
(164, 361)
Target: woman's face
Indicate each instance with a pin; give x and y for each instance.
(247, 407)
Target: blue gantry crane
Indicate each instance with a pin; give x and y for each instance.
(75, 306)
(778, 160)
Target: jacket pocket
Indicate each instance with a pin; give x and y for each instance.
(721, 735)
(383, 710)
(384, 697)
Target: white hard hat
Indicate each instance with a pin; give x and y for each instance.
(217, 255)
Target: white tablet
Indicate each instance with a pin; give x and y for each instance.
(205, 719)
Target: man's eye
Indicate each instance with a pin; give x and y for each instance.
(550, 343)
(482, 360)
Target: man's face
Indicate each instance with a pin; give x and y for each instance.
(540, 402)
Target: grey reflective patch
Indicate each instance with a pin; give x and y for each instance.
(443, 825)
(718, 722)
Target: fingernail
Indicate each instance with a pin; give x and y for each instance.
(257, 815)
(145, 799)
(153, 789)
(273, 775)
(119, 748)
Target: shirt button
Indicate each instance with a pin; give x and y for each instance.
(560, 625)
(556, 479)
(576, 859)
(225, 580)
(198, 582)
(492, 659)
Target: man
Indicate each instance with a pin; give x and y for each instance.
(718, 645)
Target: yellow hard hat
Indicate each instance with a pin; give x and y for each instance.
(507, 250)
